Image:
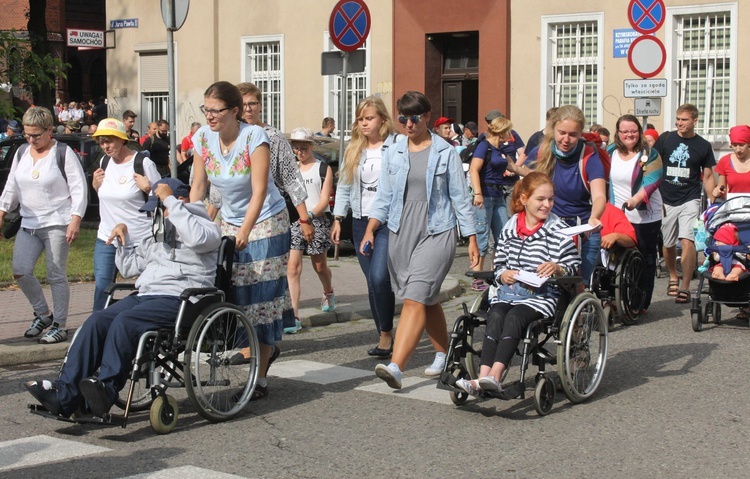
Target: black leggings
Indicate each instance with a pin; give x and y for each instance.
(648, 244)
(506, 326)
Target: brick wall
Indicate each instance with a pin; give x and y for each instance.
(14, 15)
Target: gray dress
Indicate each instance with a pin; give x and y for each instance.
(419, 262)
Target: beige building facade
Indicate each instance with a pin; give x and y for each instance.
(572, 52)
(276, 45)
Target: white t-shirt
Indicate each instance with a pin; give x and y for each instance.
(621, 179)
(120, 199)
(313, 185)
(369, 174)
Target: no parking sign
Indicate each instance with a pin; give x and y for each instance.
(349, 24)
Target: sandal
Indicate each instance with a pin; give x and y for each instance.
(683, 297)
(259, 393)
(673, 288)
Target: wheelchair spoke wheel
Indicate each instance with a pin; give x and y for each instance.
(217, 386)
(582, 351)
(163, 414)
(459, 397)
(629, 293)
(544, 395)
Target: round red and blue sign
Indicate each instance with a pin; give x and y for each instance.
(646, 16)
(349, 24)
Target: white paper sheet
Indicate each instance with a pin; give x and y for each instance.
(532, 279)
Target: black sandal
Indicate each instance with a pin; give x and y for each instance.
(260, 392)
(674, 288)
(683, 297)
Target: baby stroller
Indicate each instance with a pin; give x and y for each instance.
(719, 292)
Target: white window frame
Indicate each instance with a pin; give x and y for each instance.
(671, 72)
(332, 88)
(245, 43)
(546, 79)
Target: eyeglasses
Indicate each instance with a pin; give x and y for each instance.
(33, 136)
(404, 119)
(212, 112)
(250, 104)
(628, 133)
(301, 149)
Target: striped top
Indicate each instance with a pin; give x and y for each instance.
(544, 245)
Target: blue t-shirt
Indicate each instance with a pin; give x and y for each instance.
(492, 173)
(571, 196)
(231, 173)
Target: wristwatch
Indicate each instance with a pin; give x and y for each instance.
(338, 218)
(310, 214)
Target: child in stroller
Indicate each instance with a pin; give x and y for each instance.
(727, 235)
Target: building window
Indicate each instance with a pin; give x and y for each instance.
(573, 63)
(154, 107)
(263, 66)
(704, 58)
(357, 89)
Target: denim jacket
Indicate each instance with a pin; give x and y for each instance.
(349, 194)
(447, 196)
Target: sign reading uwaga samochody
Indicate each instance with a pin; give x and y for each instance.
(85, 38)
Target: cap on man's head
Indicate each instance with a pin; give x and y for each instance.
(179, 189)
(472, 127)
(492, 114)
(443, 120)
(15, 126)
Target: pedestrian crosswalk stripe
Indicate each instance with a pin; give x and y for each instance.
(30, 451)
(185, 471)
(317, 373)
(412, 388)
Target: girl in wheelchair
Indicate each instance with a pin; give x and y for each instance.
(530, 250)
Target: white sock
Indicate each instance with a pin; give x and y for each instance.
(47, 385)
(440, 356)
(262, 382)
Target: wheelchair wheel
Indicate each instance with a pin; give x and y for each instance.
(629, 293)
(544, 395)
(216, 388)
(164, 413)
(582, 351)
(142, 399)
(458, 398)
(475, 335)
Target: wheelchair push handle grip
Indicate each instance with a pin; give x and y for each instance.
(485, 275)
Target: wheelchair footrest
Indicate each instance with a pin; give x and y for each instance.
(510, 391)
(110, 420)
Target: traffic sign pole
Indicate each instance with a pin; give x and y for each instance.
(342, 105)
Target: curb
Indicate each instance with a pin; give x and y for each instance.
(26, 351)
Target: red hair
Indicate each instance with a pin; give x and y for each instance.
(526, 187)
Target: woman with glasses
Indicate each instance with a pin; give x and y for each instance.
(235, 158)
(421, 195)
(634, 179)
(122, 192)
(578, 174)
(50, 187)
(372, 135)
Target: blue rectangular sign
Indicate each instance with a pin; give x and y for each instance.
(124, 23)
(621, 40)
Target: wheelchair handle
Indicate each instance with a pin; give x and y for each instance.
(190, 292)
(112, 287)
(485, 275)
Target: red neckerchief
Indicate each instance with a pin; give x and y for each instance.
(522, 230)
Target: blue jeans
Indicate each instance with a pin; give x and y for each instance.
(105, 271)
(375, 268)
(495, 216)
(590, 253)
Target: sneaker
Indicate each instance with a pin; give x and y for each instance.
(54, 335)
(468, 386)
(478, 285)
(328, 303)
(294, 329)
(437, 366)
(45, 392)
(40, 324)
(391, 374)
(489, 383)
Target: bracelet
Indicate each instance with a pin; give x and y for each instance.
(304, 222)
(338, 218)
(310, 214)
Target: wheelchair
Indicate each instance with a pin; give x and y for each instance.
(617, 282)
(574, 341)
(195, 354)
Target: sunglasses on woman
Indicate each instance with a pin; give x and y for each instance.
(404, 119)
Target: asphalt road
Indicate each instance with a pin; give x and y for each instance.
(672, 403)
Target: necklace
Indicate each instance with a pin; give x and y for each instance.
(226, 147)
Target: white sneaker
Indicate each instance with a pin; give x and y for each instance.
(391, 374)
(489, 383)
(54, 335)
(40, 324)
(437, 366)
(466, 385)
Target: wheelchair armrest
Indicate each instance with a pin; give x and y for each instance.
(565, 280)
(190, 292)
(485, 275)
(112, 287)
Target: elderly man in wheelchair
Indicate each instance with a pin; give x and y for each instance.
(180, 255)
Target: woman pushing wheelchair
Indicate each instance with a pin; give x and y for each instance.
(530, 250)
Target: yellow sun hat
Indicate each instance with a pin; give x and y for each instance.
(111, 127)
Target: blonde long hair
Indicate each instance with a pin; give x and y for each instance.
(545, 160)
(358, 141)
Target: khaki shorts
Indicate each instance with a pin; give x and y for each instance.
(679, 221)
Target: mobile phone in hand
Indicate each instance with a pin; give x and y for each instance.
(367, 248)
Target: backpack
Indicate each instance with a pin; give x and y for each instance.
(60, 156)
(587, 152)
(137, 167)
